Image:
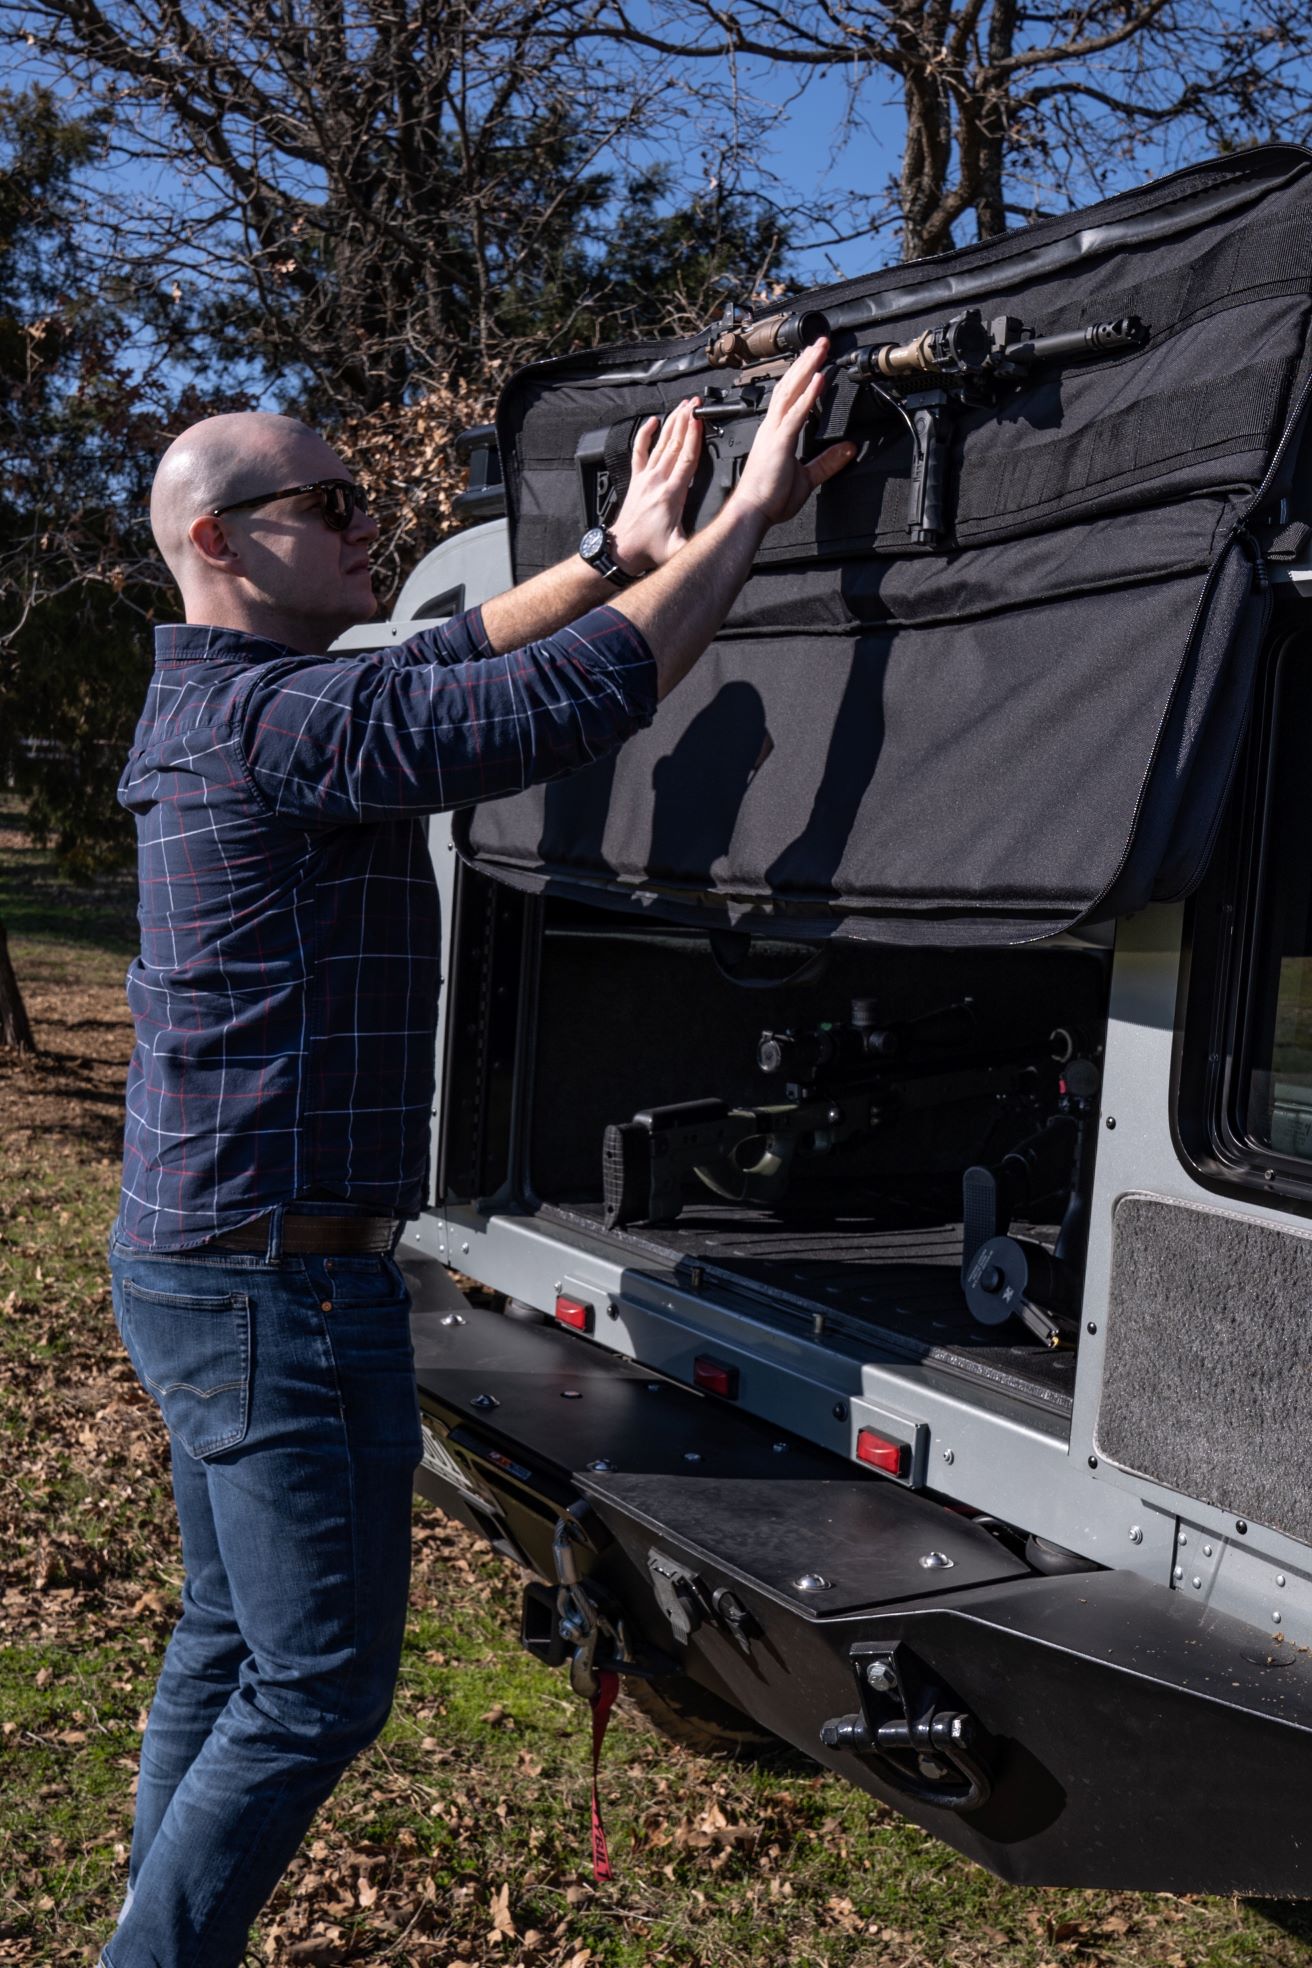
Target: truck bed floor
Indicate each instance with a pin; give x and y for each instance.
(900, 1284)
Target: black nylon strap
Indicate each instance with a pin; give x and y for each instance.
(1289, 543)
(838, 404)
(731, 949)
(618, 466)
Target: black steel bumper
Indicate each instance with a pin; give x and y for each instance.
(1092, 1729)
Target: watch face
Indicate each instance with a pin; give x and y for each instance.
(593, 542)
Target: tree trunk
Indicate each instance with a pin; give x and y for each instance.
(15, 1026)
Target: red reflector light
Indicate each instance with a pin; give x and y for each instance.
(573, 1312)
(715, 1377)
(894, 1458)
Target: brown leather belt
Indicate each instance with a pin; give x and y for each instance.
(310, 1236)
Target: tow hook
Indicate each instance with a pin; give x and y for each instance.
(589, 1625)
(920, 1737)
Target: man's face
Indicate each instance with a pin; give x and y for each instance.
(291, 560)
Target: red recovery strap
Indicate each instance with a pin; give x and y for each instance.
(608, 1686)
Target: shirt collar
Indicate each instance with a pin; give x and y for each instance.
(194, 642)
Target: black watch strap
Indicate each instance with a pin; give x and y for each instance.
(597, 549)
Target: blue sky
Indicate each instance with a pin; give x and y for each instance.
(815, 150)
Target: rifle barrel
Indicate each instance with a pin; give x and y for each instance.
(1098, 338)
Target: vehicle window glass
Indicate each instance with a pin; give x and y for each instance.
(1275, 1091)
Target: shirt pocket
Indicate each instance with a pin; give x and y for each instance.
(192, 1353)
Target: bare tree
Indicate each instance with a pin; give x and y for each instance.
(15, 1026)
(1009, 109)
(372, 195)
(372, 210)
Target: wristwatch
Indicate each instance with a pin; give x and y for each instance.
(597, 549)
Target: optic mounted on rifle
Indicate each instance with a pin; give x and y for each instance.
(739, 340)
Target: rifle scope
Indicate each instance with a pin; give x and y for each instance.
(760, 341)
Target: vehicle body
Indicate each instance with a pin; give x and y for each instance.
(1052, 1602)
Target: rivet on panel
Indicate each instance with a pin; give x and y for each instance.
(1136, 1535)
(1280, 1578)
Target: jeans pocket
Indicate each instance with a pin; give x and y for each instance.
(363, 1281)
(192, 1353)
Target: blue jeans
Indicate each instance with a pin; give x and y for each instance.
(287, 1384)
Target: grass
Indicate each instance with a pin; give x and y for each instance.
(462, 1837)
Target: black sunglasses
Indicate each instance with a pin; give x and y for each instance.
(339, 500)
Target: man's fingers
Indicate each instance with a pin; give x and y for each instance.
(798, 377)
(692, 444)
(672, 434)
(807, 390)
(829, 462)
(642, 443)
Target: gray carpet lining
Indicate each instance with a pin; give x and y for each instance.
(1206, 1385)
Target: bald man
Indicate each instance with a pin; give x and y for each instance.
(280, 1091)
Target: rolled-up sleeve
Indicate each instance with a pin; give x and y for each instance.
(461, 639)
(421, 730)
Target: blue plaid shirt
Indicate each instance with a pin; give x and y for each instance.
(285, 999)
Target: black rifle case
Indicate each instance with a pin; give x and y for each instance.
(1026, 725)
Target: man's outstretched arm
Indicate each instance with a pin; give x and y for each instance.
(647, 533)
(338, 740)
(679, 608)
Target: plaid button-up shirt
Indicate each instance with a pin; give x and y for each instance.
(285, 999)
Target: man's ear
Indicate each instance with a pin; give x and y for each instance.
(209, 537)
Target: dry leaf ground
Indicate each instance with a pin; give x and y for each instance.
(463, 1836)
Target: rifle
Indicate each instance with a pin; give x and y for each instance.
(966, 364)
(923, 384)
(844, 1081)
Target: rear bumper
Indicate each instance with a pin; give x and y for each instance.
(1124, 1737)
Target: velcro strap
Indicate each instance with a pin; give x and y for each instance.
(836, 408)
(618, 463)
(1289, 542)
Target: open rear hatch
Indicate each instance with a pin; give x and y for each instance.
(983, 733)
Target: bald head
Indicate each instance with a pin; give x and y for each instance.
(235, 456)
(277, 569)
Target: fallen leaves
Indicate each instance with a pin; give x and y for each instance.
(503, 1927)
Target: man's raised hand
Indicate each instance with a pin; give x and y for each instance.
(774, 479)
(648, 530)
